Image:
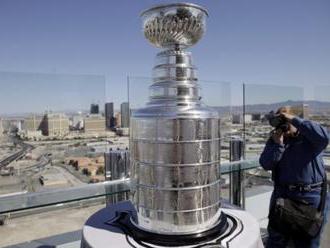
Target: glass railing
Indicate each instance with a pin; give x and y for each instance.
(71, 207)
(28, 201)
(319, 110)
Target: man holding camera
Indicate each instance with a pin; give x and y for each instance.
(298, 204)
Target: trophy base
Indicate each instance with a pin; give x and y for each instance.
(125, 223)
(112, 227)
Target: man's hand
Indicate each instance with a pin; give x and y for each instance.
(277, 136)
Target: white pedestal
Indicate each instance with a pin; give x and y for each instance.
(98, 234)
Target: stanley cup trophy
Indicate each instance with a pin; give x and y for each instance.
(174, 156)
(175, 139)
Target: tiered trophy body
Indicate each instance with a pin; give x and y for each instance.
(175, 139)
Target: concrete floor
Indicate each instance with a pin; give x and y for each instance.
(43, 225)
(325, 241)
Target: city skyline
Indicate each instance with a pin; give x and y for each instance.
(24, 93)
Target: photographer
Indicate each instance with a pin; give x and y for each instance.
(298, 204)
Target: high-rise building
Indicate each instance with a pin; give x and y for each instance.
(118, 119)
(306, 111)
(301, 110)
(1, 128)
(6, 125)
(247, 118)
(77, 122)
(125, 114)
(256, 117)
(236, 119)
(94, 123)
(94, 109)
(54, 124)
(58, 124)
(36, 123)
(109, 115)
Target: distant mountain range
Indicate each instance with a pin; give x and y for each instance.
(315, 107)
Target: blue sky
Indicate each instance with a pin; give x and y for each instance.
(279, 42)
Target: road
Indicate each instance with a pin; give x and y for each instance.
(25, 148)
(43, 161)
(71, 179)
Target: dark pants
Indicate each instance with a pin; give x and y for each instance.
(279, 240)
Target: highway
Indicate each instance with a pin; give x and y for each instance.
(25, 148)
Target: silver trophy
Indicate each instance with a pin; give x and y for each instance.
(173, 25)
(175, 139)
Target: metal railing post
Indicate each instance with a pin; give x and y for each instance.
(116, 167)
(237, 175)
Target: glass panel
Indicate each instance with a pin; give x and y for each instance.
(319, 110)
(19, 202)
(258, 190)
(259, 101)
(139, 92)
(218, 95)
(47, 122)
(58, 225)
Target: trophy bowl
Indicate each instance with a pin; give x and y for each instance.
(174, 25)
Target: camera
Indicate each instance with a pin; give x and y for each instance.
(277, 121)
